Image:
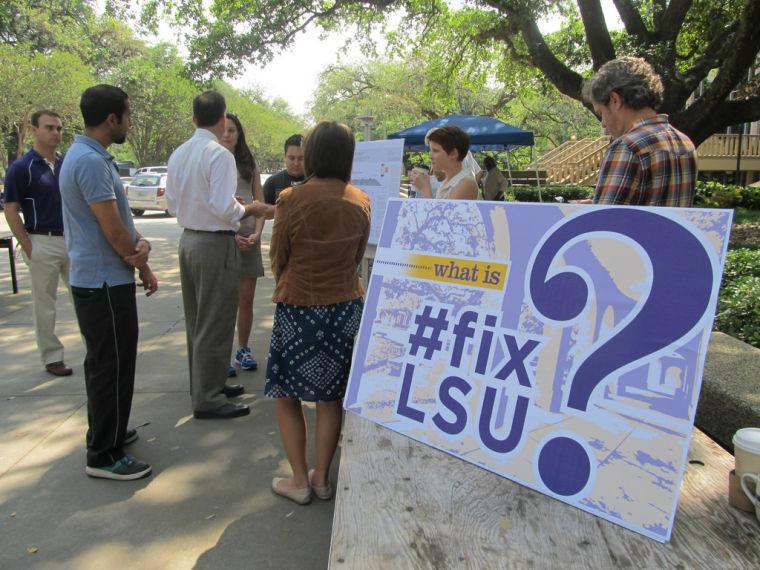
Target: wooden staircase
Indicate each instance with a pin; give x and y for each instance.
(574, 162)
(577, 162)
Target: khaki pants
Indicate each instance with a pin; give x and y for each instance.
(209, 273)
(49, 261)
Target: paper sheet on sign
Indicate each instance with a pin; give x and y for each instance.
(377, 171)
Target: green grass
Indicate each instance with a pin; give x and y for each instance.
(745, 216)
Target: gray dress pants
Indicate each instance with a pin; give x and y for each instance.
(208, 267)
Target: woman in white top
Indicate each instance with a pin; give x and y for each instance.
(448, 147)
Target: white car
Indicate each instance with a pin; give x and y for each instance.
(152, 170)
(147, 191)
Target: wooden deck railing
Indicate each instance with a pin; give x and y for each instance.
(728, 146)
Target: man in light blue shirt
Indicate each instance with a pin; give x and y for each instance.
(104, 250)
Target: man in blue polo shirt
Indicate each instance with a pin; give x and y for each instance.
(31, 189)
(105, 248)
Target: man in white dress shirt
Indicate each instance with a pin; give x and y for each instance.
(200, 192)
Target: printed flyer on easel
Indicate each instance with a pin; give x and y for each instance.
(558, 345)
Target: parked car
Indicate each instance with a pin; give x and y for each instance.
(152, 170)
(126, 167)
(147, 192)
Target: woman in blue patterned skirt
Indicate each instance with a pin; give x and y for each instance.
(320, 231)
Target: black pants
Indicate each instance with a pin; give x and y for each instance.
(108, 322)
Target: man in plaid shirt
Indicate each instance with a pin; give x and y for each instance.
(648, 163)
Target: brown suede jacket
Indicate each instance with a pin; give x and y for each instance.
(320, 231)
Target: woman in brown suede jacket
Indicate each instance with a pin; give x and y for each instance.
(320, 231)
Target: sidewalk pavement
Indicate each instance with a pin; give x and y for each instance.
(208, 503)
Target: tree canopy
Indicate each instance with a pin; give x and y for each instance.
(399, 93)
(38, 81)
(160, 99)
(703, 49)
(51, 51)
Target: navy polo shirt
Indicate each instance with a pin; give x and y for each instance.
(31, 183)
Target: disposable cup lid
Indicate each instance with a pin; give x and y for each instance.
(748, 439)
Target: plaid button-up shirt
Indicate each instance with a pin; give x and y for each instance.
(652, 164)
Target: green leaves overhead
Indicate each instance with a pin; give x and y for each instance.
(160, 99)
(50, 51)
(38, 81)
(688, 41)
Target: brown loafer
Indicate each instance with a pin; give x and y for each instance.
(58, 369)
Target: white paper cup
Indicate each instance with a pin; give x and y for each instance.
(747, 451)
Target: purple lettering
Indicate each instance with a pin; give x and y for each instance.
(403, 408)
(446, 399)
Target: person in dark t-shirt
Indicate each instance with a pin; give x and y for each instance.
(293, 173)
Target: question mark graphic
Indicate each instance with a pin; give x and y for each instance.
(682, 284)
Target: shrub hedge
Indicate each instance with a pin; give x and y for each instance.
(708, 194)
(551, 193)
(738, 311)
(717, 195)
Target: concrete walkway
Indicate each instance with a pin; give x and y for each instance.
(207, 504)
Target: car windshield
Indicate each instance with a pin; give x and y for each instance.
(145, 180)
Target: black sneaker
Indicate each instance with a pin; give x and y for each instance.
(125, 469)
(130, 436)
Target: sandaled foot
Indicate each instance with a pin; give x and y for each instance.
(282, 486)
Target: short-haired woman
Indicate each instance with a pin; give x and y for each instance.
(320, 231)
(448, 147)
(248, 238)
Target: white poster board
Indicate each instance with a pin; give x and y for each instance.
(560, 346)
(377, 172)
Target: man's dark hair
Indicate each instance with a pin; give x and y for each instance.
(293, 140)
(208, 108)
(328, 151)
(632, 78)
(489, 162)
(35, 119)
(100, 101)
(450, 138)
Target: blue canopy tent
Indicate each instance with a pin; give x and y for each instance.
(486, 133)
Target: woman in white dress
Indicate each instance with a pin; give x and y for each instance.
(448, 147)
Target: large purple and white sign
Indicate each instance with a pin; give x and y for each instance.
(560, 346)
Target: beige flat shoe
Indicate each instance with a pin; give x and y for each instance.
(325, 493)
(300, 496)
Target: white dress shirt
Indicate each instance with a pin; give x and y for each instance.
(201, 183)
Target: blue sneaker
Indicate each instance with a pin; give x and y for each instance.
(231, 371)
(125, 469)
(245, 360)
